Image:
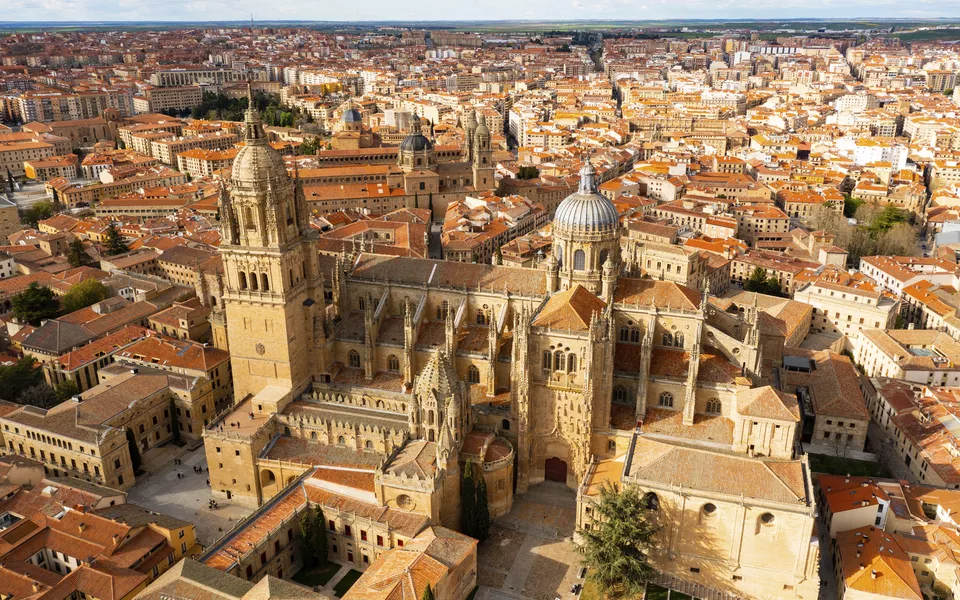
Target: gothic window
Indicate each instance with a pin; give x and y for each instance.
(714, 407)
(289, 211)
(264, 282)
(481, 318)
(500, 485)
(253, 281)
(368, 445)
(547, 360)
(341, 440)
(430, 436)
(678, 340)
(579, 260)
(666, 399)
(313, 435)
(667, 338)
(442, 310)
(558, 360)
(290, 274)
(248, 218)
(429, 417)
(473, 375)
(559, 254)
(393, 363)
(603, 257)
(354, 359)
(571, 363)
(635, 335)
(624, 334)
(362, 303)
(243, 280)
(619, 394)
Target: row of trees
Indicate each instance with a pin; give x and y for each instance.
(886, 230)
(761, 284)
(219, 106)
(23, 383)
(473, 500)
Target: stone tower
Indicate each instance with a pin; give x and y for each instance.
(272, 296)
(483, 167)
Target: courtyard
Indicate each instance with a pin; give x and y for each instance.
(530, 553)
(187, 498)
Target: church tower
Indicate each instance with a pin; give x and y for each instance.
(272, 297)
(483, 168)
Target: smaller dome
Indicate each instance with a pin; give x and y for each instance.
(351, 115)
(416, 141)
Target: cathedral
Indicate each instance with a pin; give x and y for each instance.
(569, 373)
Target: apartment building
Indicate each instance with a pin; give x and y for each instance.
(45, 169)
(166, 150)
(204, 163)
(920, 356)
(13, 155)
(784, 269)
(162, 99)
(843, 304)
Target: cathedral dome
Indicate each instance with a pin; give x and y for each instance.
(351, 115)
(257, 161)
(587, 209)
(416, 141)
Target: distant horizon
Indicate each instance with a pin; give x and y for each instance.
(406, 22)
(105, 12)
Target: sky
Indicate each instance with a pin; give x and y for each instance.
(382, 10)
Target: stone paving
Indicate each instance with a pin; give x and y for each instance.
(187, 498)
(529, 553)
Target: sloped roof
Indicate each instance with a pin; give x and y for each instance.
(571, 310)
(768, 403)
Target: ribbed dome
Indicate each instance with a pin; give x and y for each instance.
(416, 141)
(351, 114)
(587, 209)
(257, 161)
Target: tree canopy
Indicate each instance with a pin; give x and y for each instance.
(618, 543)
(761, 284)
(37, 212)
(35, 304)
(115, 244)
(77, 256)
(18, 377)
(83, 294)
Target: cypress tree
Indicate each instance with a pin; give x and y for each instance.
(308, 538)
(320, 549)
(483, 512)
(427, 593)
(468, 501)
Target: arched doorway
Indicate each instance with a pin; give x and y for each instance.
(555, 469)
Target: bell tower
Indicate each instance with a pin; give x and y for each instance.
(483, 167)
(272, 292)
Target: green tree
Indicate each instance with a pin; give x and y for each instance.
(468, 501)
(757, 281)
(174, 421)
(77, 256)
(528, 172)
(66, 389)
(617, 545)
(36, 213)
(84, 294)
(427, 593)
(308, 538)
(310, 146)
(483, 511)
(20, 376)
(134, 450)
(41, 395)
(320, 540)
(35, 304)
(115, 242)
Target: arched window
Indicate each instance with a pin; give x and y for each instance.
(393, 363)
(603, 257)
(619, 394)
(253, 281)
(651, 501)
(559, 255)
(354, 359)
(243, 280)
(667, 338)
(558, 360)
(264, 282)
(481, 318)
(635, 335)
(362, 303)
(429, 417)
(666, 399)
(248, 218)
(368, 445)
(473, 374)
(505, 425)
(624, 334)
(341, 440)
(571, 363)
(547, 360)
(290, 275)
(442, 310)
(678, 340)
(500, 485)
(714, 407)
(579, 260)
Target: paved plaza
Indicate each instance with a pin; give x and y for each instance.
(529, 553)
(186, 498)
